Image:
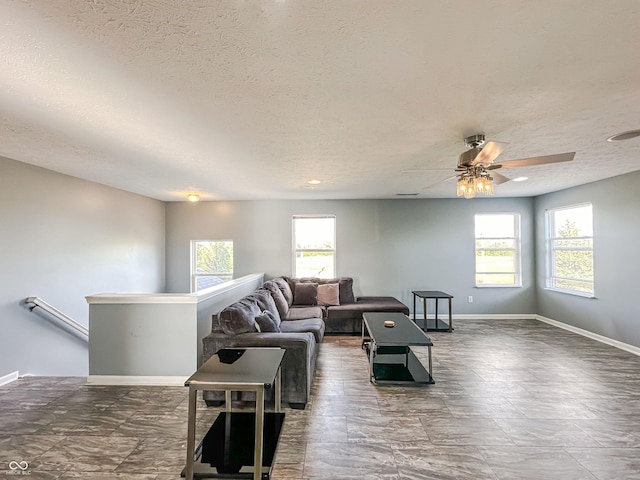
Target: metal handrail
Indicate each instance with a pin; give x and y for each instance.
(38, 302)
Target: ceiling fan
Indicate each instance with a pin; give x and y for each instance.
(476, 166)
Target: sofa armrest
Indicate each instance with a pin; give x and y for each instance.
(216, 341)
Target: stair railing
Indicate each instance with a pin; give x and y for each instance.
(51, 310)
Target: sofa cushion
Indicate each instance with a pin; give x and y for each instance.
(302, 313)
(367, 304)
(265, 301)
(329, 294)
(285, 288)
(266, 322)
(313, 325)
(239, 317)
(278, 297)
(305, 294)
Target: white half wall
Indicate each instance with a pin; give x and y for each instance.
(155, 338)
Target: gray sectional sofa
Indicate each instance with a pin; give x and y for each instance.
(293, 314)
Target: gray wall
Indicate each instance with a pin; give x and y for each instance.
(616, 228)
(390, 247)
(62, 239)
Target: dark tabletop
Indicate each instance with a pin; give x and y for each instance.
(248, 366)
(404, 333)
(431, 294)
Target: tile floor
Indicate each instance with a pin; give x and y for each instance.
(512, 400)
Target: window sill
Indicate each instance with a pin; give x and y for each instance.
(571, 292)
(498, 286)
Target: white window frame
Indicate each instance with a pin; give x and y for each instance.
(194, 275)
(296, 250)
(517, 257)
(551, 248)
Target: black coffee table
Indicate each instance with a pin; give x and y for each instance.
(391, 359)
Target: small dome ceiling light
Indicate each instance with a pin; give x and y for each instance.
(621, 137)
(193, 197)
(314, 182)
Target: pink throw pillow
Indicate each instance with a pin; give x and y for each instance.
(328, 294)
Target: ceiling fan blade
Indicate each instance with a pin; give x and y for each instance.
(423, 170)
(489, 153)
(529, 162)
(439, 182)
(498, 179)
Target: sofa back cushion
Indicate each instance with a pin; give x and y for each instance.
(345, 286)
(278, 297)
(285, 288)
(265, 301)
(239, 317)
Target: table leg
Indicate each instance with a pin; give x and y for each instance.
(372, 347)
(450, 317)
(227, 430)
(227, 401)
(278, 388)
(415, 314)
(430, 365)
(424, 314)
(191, 433)
(257, 452)
(436, 323)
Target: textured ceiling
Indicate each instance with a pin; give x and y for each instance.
(249, 100)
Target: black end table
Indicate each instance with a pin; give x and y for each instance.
(438, 325)
(226, 449)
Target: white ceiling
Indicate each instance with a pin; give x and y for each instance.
(250, 99)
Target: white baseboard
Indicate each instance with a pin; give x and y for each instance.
(8, 378)
(493, 316)
(136, 380)
(532, 316)
(480, 316)
(594, 336)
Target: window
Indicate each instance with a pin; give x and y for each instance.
(314, 246)
(211, 263)
(570, 249)
(498, 250)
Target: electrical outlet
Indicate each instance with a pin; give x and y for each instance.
(470, 298)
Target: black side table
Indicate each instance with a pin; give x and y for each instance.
(227, 447)
(437, 325)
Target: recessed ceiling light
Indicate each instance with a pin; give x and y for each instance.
(314, 182)
(520, 179)
(621, 137)
(193, 197)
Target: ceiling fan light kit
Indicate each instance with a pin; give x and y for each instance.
(473, 181)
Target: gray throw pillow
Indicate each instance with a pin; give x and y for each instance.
(306, 294)
(267, 322)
